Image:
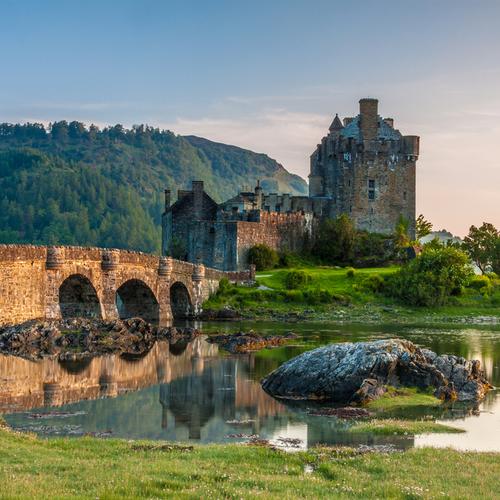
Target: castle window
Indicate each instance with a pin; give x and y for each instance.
(404, 195)
(347, 156)
(371, 189)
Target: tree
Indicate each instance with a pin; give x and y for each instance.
(335, 240)
(401, 233)
(495, 261)
(481, 243)
(432, 277)
(423, 227)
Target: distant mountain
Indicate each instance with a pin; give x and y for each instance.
(246, 167)
(84, 186)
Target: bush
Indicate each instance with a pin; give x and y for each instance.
(431, 278)
(294, 296)
(288, 259)
(263, 257)
(350, 273)
(373, 283)
(224, 286)
(478, 282)
(296, 279)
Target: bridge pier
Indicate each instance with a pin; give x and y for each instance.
(53, 265)
(164, 277)
(109, 265)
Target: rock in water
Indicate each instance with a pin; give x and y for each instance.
(350, 372)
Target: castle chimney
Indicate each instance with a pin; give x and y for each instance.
(258, 196)
(197, 187)
(368, 109)
(167, 199)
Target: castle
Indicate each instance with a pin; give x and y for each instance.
(364, 168)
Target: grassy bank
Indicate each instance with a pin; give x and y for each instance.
(404, 397)
(333, 294)
(92, 468)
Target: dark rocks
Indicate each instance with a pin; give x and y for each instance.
(357, 372)
(79, 339)
(250, 341)
(225, 314)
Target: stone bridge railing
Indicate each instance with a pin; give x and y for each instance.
(53, 282)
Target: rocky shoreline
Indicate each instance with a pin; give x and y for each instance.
(79, 338)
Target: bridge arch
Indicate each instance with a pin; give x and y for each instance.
(134, 298)
(78, 298)
(180, 301)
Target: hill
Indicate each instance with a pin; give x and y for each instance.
(74, 185)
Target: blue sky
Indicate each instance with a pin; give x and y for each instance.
(269, 75)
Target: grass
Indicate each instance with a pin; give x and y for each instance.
(93, 468)
(393, 426)
(332, 295)
(404, 397)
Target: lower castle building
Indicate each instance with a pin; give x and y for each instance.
(363, 167)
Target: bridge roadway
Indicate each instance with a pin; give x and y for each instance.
(39, 282)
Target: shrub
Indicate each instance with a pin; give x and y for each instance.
(373, 283)
(294, 296)
(321, 296)
(288, 259)
(296, 279)
(431, 278)
(224, 285)
(350, 273)
(263, 257)
(478, 282)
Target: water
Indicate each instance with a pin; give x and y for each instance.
(196, 393)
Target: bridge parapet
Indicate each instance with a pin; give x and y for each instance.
(50, 282)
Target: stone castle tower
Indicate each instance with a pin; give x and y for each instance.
(365, 168)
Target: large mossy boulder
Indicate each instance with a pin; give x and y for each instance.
(358, 372)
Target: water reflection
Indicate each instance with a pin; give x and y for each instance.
(192, 392)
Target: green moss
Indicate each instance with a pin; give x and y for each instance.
(403, 398)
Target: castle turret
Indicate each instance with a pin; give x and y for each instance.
(336, 125)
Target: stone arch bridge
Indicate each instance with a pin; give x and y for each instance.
(38, 282)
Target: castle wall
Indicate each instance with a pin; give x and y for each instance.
(282, 232)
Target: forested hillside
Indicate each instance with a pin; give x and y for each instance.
(84, 186)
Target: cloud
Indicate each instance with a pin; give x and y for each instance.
(289, 137)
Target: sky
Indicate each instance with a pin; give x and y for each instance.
(269, 75)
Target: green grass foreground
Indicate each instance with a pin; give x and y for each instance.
(93, 468)
(332, 294)
(404, 397)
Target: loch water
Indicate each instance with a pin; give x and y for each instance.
(194, 392)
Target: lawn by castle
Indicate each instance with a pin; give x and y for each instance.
(344, 294)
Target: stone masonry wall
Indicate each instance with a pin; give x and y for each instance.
(31, 277)
(276, 230)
